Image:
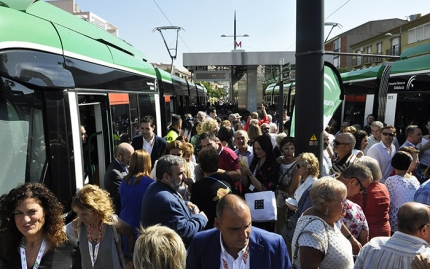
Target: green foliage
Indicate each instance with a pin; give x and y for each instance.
(217, 93)
(342, 69)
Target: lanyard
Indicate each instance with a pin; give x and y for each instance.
(95, 253)
(39, 255)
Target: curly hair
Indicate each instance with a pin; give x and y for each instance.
(326, 189)
(311, 163)
(10, 236)
(91, 197)
(209, 125)
(188, 149)
(140, 166)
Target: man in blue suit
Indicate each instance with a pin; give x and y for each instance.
(162, 204)
(235, 241)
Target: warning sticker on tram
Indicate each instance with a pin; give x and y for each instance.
(313, 138)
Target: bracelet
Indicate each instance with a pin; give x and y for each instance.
(348, 236)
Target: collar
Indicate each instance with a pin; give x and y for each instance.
(244, 252)
(150, 141)
(248, 150)
(407, 143)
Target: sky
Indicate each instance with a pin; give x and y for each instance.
(270, 24)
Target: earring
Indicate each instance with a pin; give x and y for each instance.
(326, 211)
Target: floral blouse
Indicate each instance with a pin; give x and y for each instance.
(355, 220)
(267, 174)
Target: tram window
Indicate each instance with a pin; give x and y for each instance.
(147, 105)
(22, 135)
(120, 109)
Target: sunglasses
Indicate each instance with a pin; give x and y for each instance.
(388, 134)
(362, 188)
(339, 143)
(266, 129)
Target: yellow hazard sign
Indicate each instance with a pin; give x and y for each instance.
(313, 138)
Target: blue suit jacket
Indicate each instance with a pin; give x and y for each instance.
(157, 149)
(162, 205)
(267, 250)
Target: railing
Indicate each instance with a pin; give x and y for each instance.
(394, 51)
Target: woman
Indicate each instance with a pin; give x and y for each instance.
(317, 241)
(195, 139)
(31, 230)
(190, 164)
(133, 187)
(401, 187)
(96, 228)
(377, 202)
(361, 139)
(412, 170)
(175, 148)
(263, 172)
(225, 135)
(254, 131)
(308, 168)
(159, 247)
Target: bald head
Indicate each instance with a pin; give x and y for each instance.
(232, 203)
(412, 217)
(123, 153)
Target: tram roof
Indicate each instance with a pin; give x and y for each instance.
(411, 66)
(364, 74)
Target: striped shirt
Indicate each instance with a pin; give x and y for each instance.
(397, 251)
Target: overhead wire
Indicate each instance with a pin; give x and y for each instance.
(171, 24)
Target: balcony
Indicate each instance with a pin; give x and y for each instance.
(395, 51)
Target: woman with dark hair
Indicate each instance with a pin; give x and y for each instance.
(402, 188)
(288, 179)
(225, 135)
(263, 173)
(361, 138)
(31, 230)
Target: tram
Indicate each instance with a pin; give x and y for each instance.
(396, 93)
(58, 73)
(271, 95)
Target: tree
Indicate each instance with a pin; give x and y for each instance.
(217, 93)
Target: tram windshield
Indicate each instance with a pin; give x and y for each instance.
(22, 137)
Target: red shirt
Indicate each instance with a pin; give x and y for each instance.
(228, 160)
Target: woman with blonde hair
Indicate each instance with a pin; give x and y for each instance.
(317, 240)
(254, 131)
(96, 228)
(308, 169)
(133, 187)
(210, 125)
(159, 247)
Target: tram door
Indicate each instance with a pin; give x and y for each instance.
(93, 147)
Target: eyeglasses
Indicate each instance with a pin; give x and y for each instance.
(388, 134)
(362, 188)
(266, 129)
(339, 143)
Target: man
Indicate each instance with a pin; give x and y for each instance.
(229, 161)
(343, 125)
(148, 140)
(235, 243)
(116, 171)
(422, 195)
(384, 151)
(343, 145)
(201, 116)
(208, 191)
(413, 136)
(162, 204)
(399, 250)
(265, 129)
(356, 178)
(370, 118)
(243, 151)
(175, 126)
(424, 148)
(375, 137)
(211, 113)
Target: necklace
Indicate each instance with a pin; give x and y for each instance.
(99, 237)
(31, 244)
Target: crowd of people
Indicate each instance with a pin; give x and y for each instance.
(180, 201)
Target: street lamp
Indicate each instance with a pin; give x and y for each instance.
(234, 35)
(395, 46)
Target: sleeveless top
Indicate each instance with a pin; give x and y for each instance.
(107, 256)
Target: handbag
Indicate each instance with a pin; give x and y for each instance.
(288, 229)
(117, 239)
(262, 205)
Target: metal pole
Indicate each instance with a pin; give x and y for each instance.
(234, 31)
(281, 97)
(309, 76)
